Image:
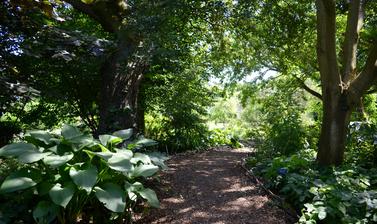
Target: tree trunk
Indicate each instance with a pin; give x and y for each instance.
(335, 121)
(121, 80)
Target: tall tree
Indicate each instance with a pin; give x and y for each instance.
(343, 33)
(343, 82)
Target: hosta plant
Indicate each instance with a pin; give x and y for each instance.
(75, 176)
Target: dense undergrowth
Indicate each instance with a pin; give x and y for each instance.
(71, 177)
(343, 194)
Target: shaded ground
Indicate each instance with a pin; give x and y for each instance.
(211, 187)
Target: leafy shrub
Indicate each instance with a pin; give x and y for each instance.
(71, 174)
(362, 143)
(346, 194)
(178, 133)
(223, 137)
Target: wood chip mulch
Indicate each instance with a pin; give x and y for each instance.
(211, 187)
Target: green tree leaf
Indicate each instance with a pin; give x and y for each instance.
(112, 196)
(84, 179)
(62, 195)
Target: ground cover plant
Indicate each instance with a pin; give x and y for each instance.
(345, 194)
(71, 176)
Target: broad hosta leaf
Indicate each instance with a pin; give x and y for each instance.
(112, 196)
(57, 160)
(150, 196)
(124, 134)
(140, 157)
(120, 162)
(62, 195)
(144, 170)
(82, 141)
(104, 155)
(109, 139)
(20, 180)
(53, 149)
(145, 142)
(45, 212)
(69, 131)
(132, 188)
(84, 179)
(125, 153)
(158, 159)
(33, 156)
(322, 215)
(17, 149)
(42, 136)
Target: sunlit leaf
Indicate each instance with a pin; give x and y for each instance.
(57, 160)
(84, 179)
(17, 149)
(144, 170)
(20, 180)
(112, 196)
(124, 134)
(109, 139)
(150, 196)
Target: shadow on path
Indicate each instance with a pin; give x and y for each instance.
(211, 187)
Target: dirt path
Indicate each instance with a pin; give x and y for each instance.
(211, 187)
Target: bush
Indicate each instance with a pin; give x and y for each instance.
(346, 194)
(72, 175)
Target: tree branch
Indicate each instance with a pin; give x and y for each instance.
(354, 24)
(308, 89)
(88, 9)
(326, 43)
(368, 76)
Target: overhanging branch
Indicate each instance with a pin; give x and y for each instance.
(308, 89)
(88, 9)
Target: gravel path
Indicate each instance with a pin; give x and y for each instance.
(211, 187)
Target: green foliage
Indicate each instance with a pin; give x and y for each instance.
(345, 194)
(71, 173)
(176, 108)
(276, 111)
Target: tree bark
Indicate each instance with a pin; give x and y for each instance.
(121, 77)
(335, 120)
(341, 92)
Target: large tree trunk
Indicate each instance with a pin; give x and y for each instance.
(121, 80)
(342, 88)
(336, 117)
